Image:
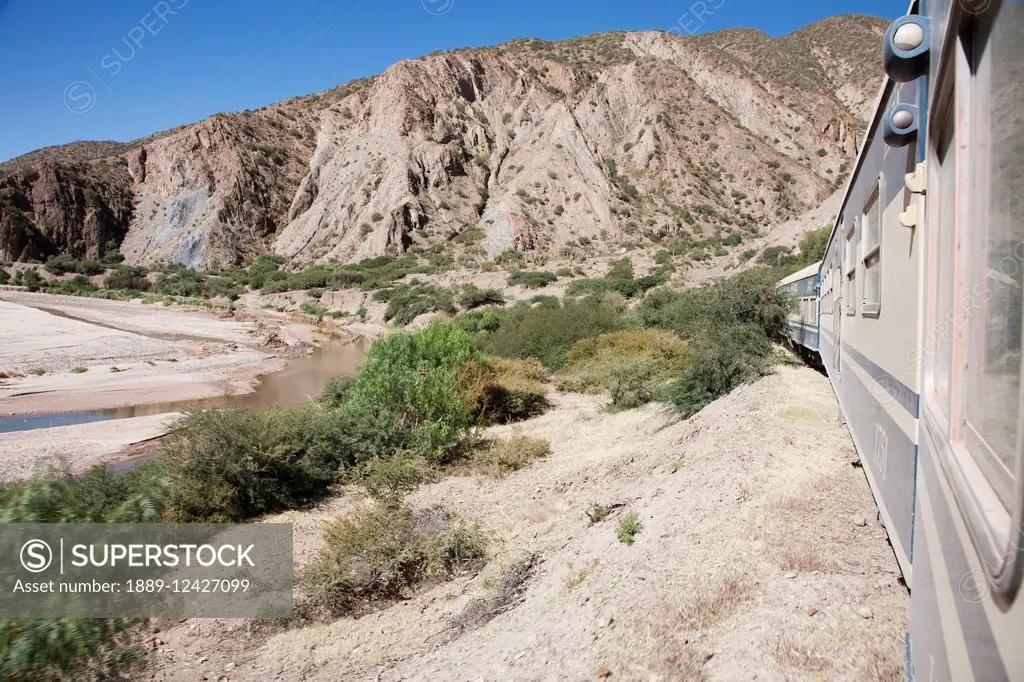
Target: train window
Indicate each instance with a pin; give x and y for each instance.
(994, 258)
(938, 340)
(871, 230)
(850, 270)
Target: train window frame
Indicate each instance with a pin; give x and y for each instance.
(871, 252)
(850, 268)
(994, 521)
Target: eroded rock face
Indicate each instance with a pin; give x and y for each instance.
(76, 208)
(538, 146)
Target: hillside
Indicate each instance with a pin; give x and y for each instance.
(737, 573)
(553, 149)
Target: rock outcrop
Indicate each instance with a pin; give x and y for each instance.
(590, 143)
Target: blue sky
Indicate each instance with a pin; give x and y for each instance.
(121, 69)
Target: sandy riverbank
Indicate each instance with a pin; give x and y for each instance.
(64, 354)
(80, 447)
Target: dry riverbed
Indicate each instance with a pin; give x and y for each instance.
(67, 354)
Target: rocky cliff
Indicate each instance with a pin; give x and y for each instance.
(534, 146)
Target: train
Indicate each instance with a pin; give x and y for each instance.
(915, 314)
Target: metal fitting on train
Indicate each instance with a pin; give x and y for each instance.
(906, 49)
(900, 125)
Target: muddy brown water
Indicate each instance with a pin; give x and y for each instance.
(303, 379)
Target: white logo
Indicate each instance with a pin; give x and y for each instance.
(36, 556)
(79, 97)
(437, 7)
(974, 588)
(975, 6)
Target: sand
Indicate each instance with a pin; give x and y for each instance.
(77, 447)
(101, 359)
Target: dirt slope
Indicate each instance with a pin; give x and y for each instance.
(759, 558)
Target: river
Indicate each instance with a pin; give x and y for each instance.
(302, 379)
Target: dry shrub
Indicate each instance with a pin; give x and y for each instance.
(509, 390)
(380, 553)
(503, 597)
(802, 559)
(632, 366)
(711, 603)
(505, 455)
(800, 655)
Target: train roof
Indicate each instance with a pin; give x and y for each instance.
(801, 274)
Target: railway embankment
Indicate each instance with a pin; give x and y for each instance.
(757, 556)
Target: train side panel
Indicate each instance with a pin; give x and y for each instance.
(967, 613)
(870, 321)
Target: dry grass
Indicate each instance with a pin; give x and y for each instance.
(802, 559)
(380, 553)
(504, 596)
(577, 578)
(710, 604)
(876, 665)
(505, 455)
(802, 656)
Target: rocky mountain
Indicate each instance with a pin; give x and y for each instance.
(536, 146)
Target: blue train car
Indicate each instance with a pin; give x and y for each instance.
(921, 314)
(802, 287)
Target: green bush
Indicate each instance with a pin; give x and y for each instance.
(509, 257)
(380, 553)
(78, 284)
(747, 298)
(64, 648)
(620, 279)
(231, 465)
(63, 264)
(721, 359)
(629, 527)
(112, 257)
(412, 394)
(127, 277)
(30, 279)
(369, 274)
(408, 301)
(531, 279)
(475, 297)
(479, 320)
(337, 391)
(547, 333)
(5, 277)
(187, 282)
(99, 496)
(390, 479)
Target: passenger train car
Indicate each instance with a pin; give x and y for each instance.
(919, 303)
(802, 332)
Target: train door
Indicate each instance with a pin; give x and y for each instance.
(837, 330)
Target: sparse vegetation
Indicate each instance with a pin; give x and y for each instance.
(531, 279)
(408, 301)
(619, 279)
(474, 297)
(379, 553)
(629, 527)
(505, 455)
